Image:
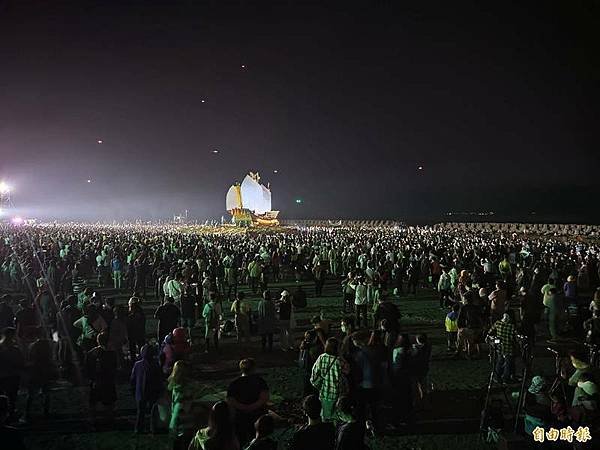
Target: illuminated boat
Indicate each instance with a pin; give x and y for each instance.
(249, 203)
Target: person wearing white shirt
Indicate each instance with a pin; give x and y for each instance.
(360, 300)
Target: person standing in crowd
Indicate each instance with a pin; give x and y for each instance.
(212, 314)
(554, 312)
(348, 293)
(505, 331)
(319, 273)
(498, 302)
(117, 271)
(146, 381)
(168, 316)
(284, 306)
(266, 320)
(117, 337)
(188, 305)
(27, 321)
(443, 287)
(10, 437)
(12, 365)
(451, 324)
(530, 314)
(420, 359)
(101, 368)
(7, 315)
(350, 434)
(136, 328)
(241, 315)
(360, 301)
(174, 289)
(185, 408)
(176, 347)
(315, 431)
(402, 381)
(327, 378)
(255, 270)
(248, 396)
(220, 433)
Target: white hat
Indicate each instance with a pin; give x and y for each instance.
(285, 293)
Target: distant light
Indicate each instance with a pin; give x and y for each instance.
(4, 188)
(100, 141)
(420, 167)
(215, 151)
(275, 171)
(298, 200)
(17, 221)
(202, 101)
(89, 181)
(243, 66)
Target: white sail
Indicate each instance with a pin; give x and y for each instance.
(253, 197)
(266, 198)
(232, 199)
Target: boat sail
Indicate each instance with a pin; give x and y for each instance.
(251, 201)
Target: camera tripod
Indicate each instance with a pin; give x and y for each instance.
(492, 382)
(559, 382)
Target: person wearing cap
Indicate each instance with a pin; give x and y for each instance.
(505, 331)
(536, 405)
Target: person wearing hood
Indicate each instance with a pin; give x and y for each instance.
(176, 347)
(146, 381)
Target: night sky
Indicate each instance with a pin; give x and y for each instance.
(498, 106)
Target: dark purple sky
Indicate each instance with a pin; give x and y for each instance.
(499, 106)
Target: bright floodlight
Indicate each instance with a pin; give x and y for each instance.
(4, 188)
(17, 221)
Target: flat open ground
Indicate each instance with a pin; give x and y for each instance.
(449, 419)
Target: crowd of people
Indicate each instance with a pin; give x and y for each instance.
(499, 292)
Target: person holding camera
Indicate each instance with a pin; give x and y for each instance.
(505, 345)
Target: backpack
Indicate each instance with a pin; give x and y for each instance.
(299, 301)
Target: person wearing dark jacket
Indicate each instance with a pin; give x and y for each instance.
(470, 325)
(168, 316)
(386, 310)
(101, 367)
(10, 437)
(146, 380)
(315, 432)
(136, 328)
(350, 433)
(12, 364)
